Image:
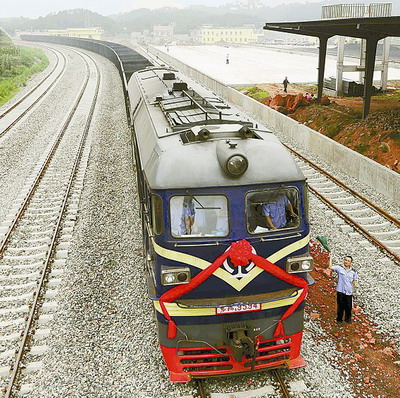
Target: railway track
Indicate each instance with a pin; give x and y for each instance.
(36, 238)
(254, 393)
(12, 115)
(355, 214)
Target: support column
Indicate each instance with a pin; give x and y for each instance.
(370, 56)
(362, 60)
(323, 42)
(385, 63)
(339, 66)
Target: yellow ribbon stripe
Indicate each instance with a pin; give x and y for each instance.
(175, 310)
(221, 273)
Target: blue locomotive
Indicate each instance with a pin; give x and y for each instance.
(225, 230)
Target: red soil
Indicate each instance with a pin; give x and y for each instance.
(368, 357)
(376, 137)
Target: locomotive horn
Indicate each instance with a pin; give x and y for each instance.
(204, 134)
(245, 132)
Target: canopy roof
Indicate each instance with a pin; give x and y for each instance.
(362, 28)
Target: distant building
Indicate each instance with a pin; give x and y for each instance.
(248, 4)
(86, 33)
(163, 31)
(209, 35)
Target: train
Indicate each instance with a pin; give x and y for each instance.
(225, 230)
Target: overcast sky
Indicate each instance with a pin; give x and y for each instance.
(37, 8)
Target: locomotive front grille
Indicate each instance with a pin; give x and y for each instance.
(199, 360)
(207, 368)
(270, 352)
(273, 353)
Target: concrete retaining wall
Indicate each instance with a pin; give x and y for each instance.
(380, 178)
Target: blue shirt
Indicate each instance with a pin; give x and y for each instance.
(345, 279)
(277, 211)
(187, 211)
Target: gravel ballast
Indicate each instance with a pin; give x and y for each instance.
(103, 338)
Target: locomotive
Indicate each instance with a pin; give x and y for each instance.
(225, 230)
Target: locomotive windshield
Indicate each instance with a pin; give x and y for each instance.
(272, 209)
(199, 216)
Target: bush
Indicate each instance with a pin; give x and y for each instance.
(384, 147)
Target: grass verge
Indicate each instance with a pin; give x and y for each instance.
(17, 65)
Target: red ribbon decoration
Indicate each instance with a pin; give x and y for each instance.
(240, 253)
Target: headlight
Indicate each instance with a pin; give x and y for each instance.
(299, 264)
(236, 165)
(232, 158)
(169, 278)
(175, 276)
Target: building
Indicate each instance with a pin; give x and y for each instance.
(248, 4)
(163, 31)
(210, 35)
(86, 33)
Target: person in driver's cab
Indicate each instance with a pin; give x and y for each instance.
(275, 212)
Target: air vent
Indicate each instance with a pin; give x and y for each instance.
(179, 86)
(169, 76)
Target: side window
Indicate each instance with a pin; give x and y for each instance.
(306, 202)
(272, 209)
(199, 216)
(157, 214)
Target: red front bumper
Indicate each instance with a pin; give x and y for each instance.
(187, 363)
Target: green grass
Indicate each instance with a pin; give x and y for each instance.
(362, 148)
(254, 92)
(17, 65)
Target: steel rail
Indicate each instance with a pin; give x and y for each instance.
(34, 88)
(44, 166)
(33, 315)
(200, 388)
(18, 118)
(354, 224)
(382, 212)
(357, 226)
(282, 384)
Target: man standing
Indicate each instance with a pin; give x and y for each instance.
(285, 84)
(188, 214)
(346, 283)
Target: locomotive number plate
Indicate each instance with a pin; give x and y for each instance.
(231, 309)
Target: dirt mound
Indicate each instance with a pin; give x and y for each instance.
(289, 103)
(376, 137)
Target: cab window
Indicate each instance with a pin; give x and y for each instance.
(199, 216)
(272, 209)
(157, 214)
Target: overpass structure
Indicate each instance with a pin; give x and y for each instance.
(370, 28)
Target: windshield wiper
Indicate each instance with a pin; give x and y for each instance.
(202, 207)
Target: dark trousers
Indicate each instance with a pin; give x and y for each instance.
(344, 305)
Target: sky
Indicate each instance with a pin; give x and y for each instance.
(37, 8)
